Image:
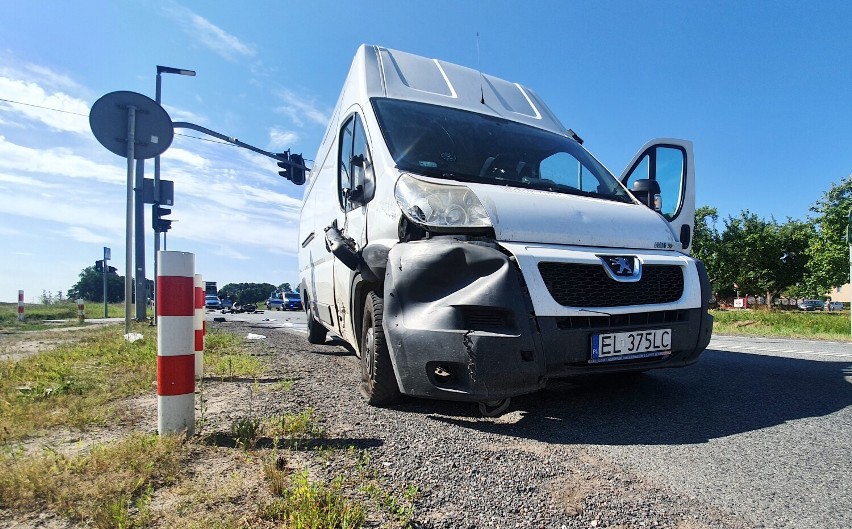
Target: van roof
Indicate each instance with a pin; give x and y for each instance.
(382, 72)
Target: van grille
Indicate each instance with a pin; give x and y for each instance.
(624, 321)
(583, 285)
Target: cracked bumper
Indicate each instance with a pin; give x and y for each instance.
(460, 326)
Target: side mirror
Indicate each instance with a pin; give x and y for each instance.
(647, 191)
(354, 195)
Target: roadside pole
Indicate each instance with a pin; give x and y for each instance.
(107, 257)
(141, 305)
(849, 240)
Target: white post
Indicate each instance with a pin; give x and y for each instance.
(199, 327)
(175, 343)
(20, 305)
(81, 311)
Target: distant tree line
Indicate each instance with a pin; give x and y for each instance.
(749, 254)
(764, 257)
(246, 292)
(91, 286)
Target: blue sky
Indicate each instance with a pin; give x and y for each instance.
(763, 89)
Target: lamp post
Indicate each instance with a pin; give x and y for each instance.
(158, 95)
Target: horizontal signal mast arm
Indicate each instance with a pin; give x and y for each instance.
(233, 141)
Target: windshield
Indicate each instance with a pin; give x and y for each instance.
(292, 296)
(460, 145)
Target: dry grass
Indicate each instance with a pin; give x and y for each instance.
(73, 384)
(143, 481)
(108, 487)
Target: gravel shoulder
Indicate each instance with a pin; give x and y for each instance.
(470, 471)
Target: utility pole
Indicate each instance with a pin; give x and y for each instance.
(849, 240)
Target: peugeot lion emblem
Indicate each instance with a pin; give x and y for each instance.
(622, 267)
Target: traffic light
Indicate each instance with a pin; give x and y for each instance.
(99, 266)
(297, 164)
(160, 224)
(284, 164)
(293, 167)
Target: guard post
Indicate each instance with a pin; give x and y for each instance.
(175, 343)
(199, 327)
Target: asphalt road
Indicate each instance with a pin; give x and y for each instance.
(760, 428)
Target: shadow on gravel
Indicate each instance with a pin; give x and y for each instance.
(330, 348)
(723, 394)
(226, 440)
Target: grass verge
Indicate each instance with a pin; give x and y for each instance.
(73, 384)
(783, 324)
(109, 487)
(225, 357)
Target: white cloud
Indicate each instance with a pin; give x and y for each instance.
(57, 161)
(231, 253)
(185, 157)
(208, 34)
(281, 139)
(73, 115)
(13, 68)
(301, 109)
(179, 114)
(7, 231)
(24, 181)
(81, 234)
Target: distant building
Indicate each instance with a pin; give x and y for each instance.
(841, 293)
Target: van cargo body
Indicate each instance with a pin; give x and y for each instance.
(469, 247)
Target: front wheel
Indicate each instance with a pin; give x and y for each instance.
(378, 382)
(316, 332)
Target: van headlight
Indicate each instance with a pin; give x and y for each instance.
(439, 205)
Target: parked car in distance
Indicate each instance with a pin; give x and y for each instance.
(227, 303)
(212, 302)
(811, 304)
(284, 301)
(275, 301)
(292, 301)
(836, 305)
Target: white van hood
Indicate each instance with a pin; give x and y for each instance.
(533, 216)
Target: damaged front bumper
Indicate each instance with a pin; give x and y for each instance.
(460, 325)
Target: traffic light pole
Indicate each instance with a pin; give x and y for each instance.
(139, 229)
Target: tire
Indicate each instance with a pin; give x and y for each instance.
(378, 382)
(316, 331)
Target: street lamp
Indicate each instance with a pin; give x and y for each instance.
(158, 95)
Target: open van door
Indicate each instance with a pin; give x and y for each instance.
(667, 163)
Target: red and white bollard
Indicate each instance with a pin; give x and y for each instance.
(81, 310)
(175, 343)
(20, 305)
(199, 327)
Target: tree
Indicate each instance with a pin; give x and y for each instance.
(247, 292)
(285, 287)
(828, 253)
(91, 286)
(705, 246)
(762, 256)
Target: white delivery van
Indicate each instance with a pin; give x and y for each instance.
(469, 247)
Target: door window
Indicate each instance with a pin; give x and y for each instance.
(355, 176)
(666, 165)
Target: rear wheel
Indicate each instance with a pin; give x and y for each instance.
(378, 382)
(316, 331)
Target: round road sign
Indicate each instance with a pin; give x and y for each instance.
(108, 120)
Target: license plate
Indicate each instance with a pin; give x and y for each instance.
(628, 345)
